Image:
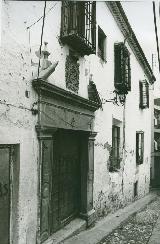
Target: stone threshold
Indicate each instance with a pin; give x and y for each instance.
(73, 228)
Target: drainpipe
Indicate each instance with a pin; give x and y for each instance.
(124, 148)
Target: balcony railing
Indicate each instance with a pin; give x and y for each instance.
(78, 26)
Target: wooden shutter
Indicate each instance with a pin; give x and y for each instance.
(118, 68)
(140, 95)
(93, 24)
(122, 68)
(64, 18)
(73, 18)
(118, 147)
(81, 18)
(115, 146)
(139, 147)
(129, 74)
(142, 146)
(147, 94)
(144, 94)
(68, 18)
(126, 73)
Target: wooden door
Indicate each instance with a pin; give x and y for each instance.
(60, 188)
(66, 178)
(5, 156)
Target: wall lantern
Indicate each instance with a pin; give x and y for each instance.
(119, 97)
(122, 98)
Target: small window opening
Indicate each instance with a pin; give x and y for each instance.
(136, 189)
(101, 44)
(139, 147)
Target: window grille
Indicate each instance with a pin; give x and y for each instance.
(144, 94)
(157, 119)
(78, 25)
(136, 189)
(139, 147)
(122, 68)
(115, 152)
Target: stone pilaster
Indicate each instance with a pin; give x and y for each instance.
(87, 178)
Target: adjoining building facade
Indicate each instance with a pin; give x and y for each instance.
(155, 176)
(75, 116)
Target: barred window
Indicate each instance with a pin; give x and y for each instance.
(78, 25)
(144, 94)
(139, 147)
(122, 69)
(115, 153)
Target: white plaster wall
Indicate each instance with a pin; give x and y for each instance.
(17, 125)
(112, 190)
(0, 21)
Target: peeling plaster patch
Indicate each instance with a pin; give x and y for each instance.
(102, 205)
(115, 200)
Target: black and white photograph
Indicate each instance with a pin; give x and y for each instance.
(79, 122)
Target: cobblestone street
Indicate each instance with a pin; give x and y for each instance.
(138, 228)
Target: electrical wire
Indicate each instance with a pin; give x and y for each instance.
(156, 32)
(41, 16)
(15, 106)
(22, 107)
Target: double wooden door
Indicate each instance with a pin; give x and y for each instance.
(60, 181)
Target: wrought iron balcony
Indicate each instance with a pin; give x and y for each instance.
(78, 26)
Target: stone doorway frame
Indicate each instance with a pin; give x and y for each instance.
(87, 173)
(61, 109)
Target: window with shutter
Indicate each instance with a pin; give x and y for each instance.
(101, 44)
(78, 26)
(139, 147)
(115, 153)
(144, 94)
(122, 69)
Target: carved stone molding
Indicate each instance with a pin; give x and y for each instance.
(72, 73)
(55, 92)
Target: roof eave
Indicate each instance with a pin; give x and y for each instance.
(126, 29)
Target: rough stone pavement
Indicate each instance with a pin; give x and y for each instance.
(133, 224)
(155, 237)
(141, 228)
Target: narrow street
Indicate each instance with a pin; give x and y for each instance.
(79, 122)
(138, 223)
(138, 228)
